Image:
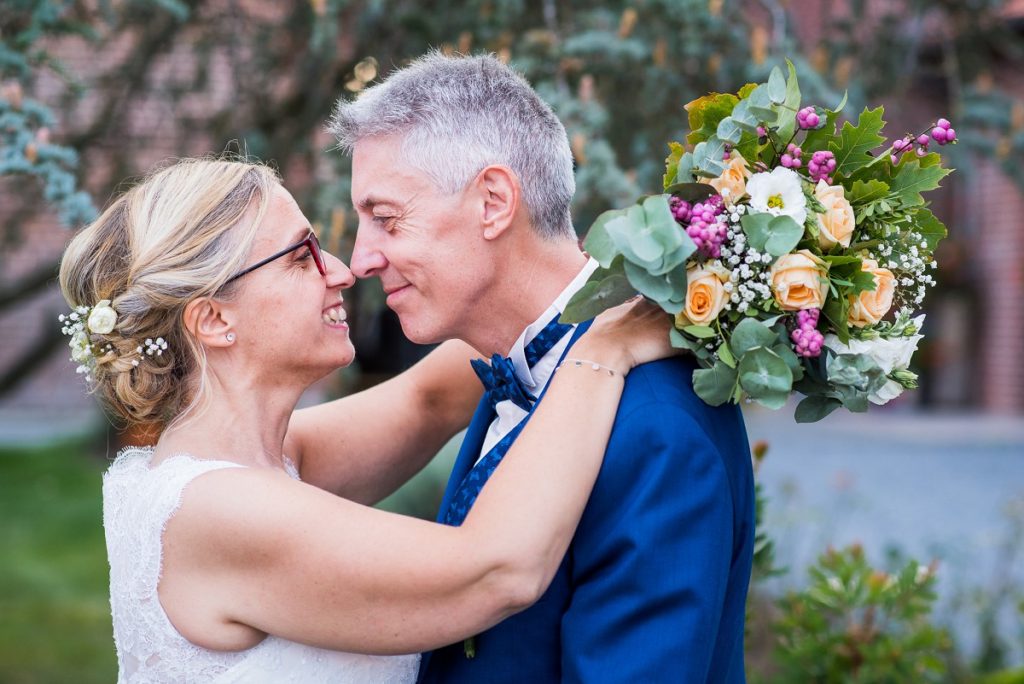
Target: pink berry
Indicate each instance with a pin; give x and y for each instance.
(939, 134)
(922, 151)
(942, 123)
(922, 140)
(950, 135)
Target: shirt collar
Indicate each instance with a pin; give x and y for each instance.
(518, 352)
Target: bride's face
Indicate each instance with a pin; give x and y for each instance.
(290, 321)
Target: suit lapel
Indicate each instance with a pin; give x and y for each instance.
(468, 453)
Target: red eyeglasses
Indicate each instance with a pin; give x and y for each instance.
(314, 250)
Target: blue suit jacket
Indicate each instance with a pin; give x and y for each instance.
(653, 587)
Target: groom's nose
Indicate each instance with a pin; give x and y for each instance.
(367, 258)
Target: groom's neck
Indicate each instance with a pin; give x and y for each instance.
(523, 286)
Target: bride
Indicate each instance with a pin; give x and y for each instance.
(242, 546)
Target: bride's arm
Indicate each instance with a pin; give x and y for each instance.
(255, 548)
(366, 445)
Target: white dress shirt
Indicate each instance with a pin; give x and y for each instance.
(537, 378)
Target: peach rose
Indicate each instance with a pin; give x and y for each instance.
(732, 184)
(705, 295)
(799, 281)
(869, 307)
(836, 225)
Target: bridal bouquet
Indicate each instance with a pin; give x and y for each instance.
(792, 252)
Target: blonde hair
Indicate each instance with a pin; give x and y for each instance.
(176, 236)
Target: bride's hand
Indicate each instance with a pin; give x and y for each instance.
(626, 336)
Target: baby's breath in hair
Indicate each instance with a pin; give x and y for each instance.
(85, 324)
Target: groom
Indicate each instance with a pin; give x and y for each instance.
(462, 179)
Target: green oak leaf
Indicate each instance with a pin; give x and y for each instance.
(854, 142)
(864, 192)
(705, 113)
(912, 179)
(676, 152)
(930, 228)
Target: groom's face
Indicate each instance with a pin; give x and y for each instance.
(423, 245)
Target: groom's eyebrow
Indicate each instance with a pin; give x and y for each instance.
(369, 202)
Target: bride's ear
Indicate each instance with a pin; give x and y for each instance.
(501, 198)
(206, 320)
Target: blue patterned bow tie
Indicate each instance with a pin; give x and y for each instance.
(500, 379)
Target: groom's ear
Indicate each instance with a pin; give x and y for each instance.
(500, 198)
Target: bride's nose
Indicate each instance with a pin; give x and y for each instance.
(338, 274)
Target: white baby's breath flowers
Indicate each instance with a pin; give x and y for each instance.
(83, 322)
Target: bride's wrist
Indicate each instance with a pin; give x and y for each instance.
(613, 358)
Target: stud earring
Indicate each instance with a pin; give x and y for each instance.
(230, 337)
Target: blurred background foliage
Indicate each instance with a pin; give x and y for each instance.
(93, 92)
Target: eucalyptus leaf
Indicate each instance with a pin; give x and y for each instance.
(691, 192)
(743, 117)
(787, 112)
(649, 236)
(654, 287)
(680, 341)
(777, 86)
(598, 242)
(714, 385)
(726, 356)
(750, 334)
(777, 235)
(765, 377)
(701, 332)
(858, 371)
(605, 288)
(729, 131)
(785, 352)
(814, 408)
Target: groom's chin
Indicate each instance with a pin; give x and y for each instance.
(419, 332)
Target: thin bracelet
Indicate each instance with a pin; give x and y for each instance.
(578, 363)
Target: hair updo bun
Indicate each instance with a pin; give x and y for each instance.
(176, 236)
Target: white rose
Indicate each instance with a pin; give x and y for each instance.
(890, 355)
(102, 318)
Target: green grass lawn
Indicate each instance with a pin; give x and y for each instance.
(54, 610)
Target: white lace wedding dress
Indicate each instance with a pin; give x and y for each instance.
(137, 503)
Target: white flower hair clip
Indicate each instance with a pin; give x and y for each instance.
(83, 322)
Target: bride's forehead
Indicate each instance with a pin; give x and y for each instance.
(283, 219)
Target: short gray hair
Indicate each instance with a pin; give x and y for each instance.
(458, 115)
